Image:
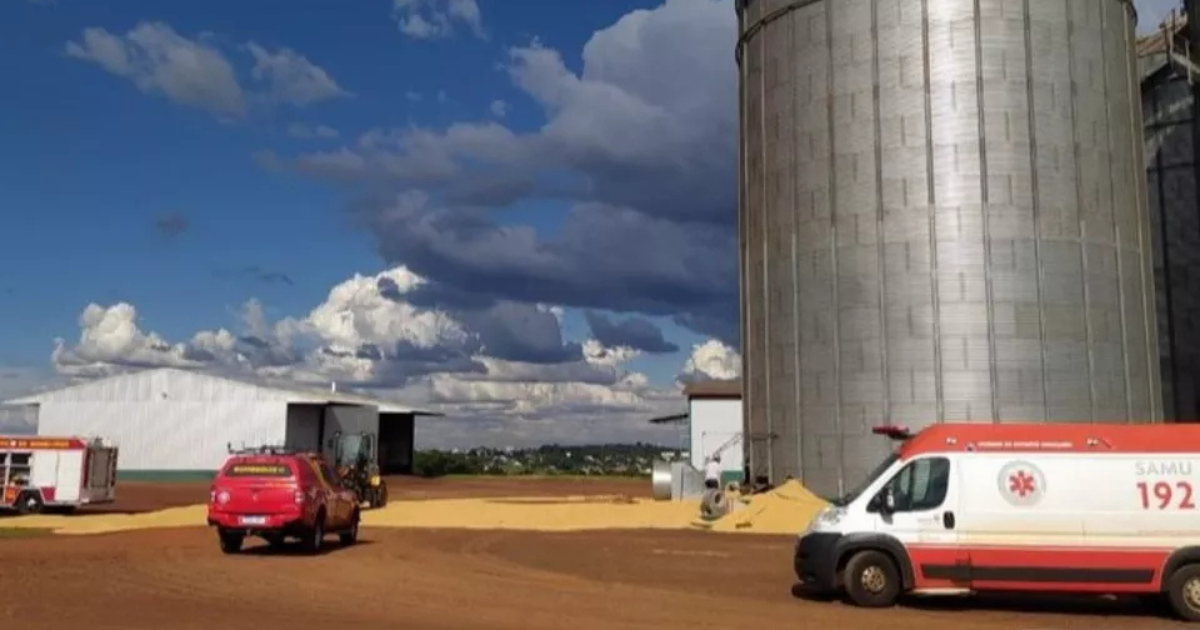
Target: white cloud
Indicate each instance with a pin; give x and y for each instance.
(196, 73)
(306, 131)
(292, 78)
(711, 360)
(498, 108)
(427, 19)
(501, 373)
(157, 59)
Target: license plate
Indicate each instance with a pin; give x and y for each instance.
(254, 520)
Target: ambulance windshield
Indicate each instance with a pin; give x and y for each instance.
(853, 494)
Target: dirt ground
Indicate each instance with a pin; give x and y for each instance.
(135, 497)
(444, 580)
(453, 579)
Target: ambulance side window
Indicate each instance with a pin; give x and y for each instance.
(921, 485)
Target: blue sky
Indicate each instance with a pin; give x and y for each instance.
(174, 166)
(222, 166)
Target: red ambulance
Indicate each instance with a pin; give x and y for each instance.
(961, 508)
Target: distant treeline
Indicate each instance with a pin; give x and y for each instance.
(590, 460)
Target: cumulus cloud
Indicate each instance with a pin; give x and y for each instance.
(641, 143)
(427, 19)
(503, 372)
(195, 71)
(498, 108)
(711, 360)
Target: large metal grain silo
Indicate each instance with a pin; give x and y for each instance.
(943, 218)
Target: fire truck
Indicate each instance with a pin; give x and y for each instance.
(55, 473)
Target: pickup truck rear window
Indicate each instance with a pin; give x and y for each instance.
(258, 470)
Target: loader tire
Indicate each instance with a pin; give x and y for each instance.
(714, 505)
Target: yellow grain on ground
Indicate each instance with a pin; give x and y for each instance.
(540, 514)
(522, 513)
(785, 509)
(106, 523)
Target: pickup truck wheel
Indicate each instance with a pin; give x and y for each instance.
(312, 542)
(872, 580)
(1183, 589)
(231, 542)
(350, 536)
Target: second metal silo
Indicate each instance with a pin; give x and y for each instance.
(943, 218)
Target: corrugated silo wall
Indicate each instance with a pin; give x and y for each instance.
(1171, 179)
(908, 260)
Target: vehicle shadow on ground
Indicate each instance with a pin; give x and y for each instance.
(1031, 603)
(294, 549)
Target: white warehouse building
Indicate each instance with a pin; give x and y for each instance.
(175, 422)
(713, 422)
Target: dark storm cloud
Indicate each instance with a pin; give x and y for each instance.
(605, 258)
(171, 224)
(503, 329)
(521, 332)
(636, 332)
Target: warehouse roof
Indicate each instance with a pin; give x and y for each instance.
(118, 386)
(715, 388)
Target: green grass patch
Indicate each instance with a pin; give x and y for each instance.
(165, 476)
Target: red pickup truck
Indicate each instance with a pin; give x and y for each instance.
(275, 495)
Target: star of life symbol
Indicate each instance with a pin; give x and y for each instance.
(1021, 483)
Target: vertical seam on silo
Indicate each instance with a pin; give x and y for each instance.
(1112, 191)
(764, 239)
(837, 329)
(1141, 192)
(1079, 213)
(1035, 196)
(985, 212)
(798, 393)
(743, 257)
(1168, 293)
(932, 192)
(881, 245)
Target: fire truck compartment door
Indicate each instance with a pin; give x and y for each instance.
(70, 475)
(44, 469)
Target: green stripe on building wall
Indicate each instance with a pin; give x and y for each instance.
(728, 476)
(166, 476)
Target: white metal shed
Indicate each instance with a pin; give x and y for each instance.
(175, 421)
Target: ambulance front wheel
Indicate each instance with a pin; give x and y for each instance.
(1183, 588)
(871, 580)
